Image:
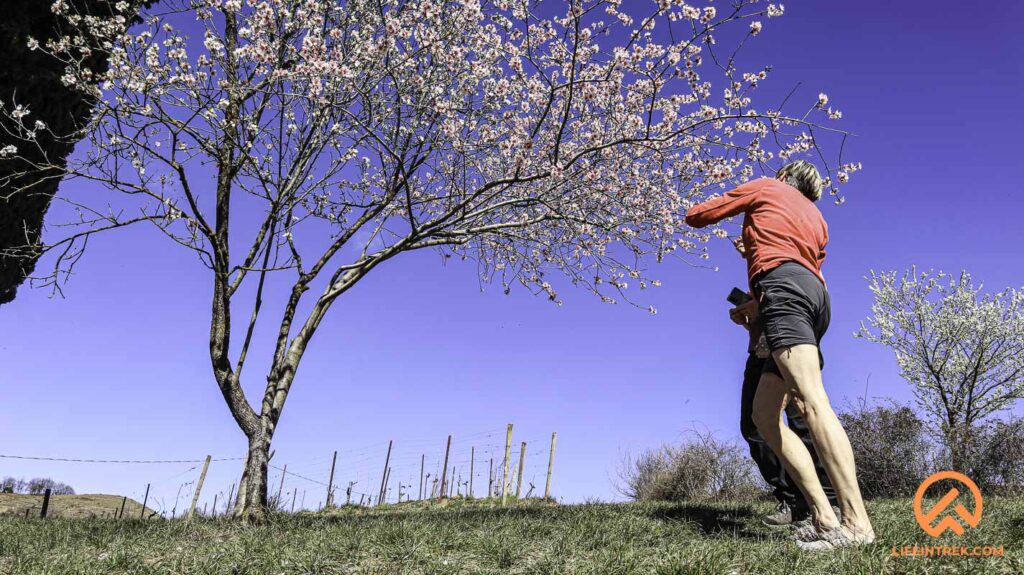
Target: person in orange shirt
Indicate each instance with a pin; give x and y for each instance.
(784, 238)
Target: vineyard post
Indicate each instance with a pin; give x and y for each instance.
(423, 459)
(384, 478)
(519, 478)
(330, 480)
(46, 504)
(508, 453)
(199, 489)
(444, 468)
(280, 487)
(551, 464)
(145, 499)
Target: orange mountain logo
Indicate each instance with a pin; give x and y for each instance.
(926, 519)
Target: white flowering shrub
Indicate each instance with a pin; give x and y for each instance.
(324, 138)
(960, 348)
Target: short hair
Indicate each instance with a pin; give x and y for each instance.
(803, 176)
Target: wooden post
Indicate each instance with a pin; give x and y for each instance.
(384, 478)
(348, 493)
(508, 454)
(423, 459)
(145, 498)
(199, 488)
(213, 508)
(383, 497)
(46, 504)
(444, 468)
(294, 493)
(472, 459)
(280, 487)
(231, 499)
(551, 464)
(204, 508)
(519, 479)
(490, 478)
(121, 513)
(330, 482)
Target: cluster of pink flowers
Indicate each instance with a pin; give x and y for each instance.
(526, 143)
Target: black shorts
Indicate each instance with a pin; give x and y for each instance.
(795, 309)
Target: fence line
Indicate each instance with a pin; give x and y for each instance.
(70, 460)
(413, 470)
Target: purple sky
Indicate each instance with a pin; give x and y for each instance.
(120, 368)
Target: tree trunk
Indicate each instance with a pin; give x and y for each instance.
(251, 505)
(960, 441)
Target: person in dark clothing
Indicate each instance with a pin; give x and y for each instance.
(793, 508)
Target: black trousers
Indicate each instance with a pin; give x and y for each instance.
(784, 488)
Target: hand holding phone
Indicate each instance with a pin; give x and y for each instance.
(738, 297)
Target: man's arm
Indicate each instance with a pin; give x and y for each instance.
(730, 204)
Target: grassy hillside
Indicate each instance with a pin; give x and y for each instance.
(70, 506)
(479, 538)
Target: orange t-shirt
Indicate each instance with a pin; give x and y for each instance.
(779, 225)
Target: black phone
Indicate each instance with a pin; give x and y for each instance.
(738, 297)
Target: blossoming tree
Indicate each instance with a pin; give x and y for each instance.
(314, 140)
(963, 351)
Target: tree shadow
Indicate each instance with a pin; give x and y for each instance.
(471, 514)
(713, 521)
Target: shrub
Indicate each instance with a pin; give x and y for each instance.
(700, 469)
(891, 448)
(12, 485)
(34, 486)
(997, 458)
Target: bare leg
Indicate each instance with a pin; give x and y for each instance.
(769, 404)
(801, 370)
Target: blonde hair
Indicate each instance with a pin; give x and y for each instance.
(803, 176)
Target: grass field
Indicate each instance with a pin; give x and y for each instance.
(478, 538)
(73, 506)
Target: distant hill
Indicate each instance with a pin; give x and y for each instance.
(15, 504)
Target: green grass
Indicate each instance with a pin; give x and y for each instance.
(477, 538)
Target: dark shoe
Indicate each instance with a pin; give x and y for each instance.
(782, 518)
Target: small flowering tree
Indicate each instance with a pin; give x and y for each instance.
(316, 140)
(963, 351)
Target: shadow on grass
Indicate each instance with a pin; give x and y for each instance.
(470, 514)
(711, 520)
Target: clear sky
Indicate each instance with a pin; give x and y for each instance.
(119, 369)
